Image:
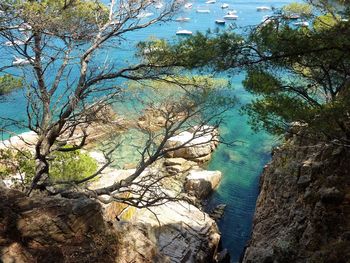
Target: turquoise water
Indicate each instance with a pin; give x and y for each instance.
(240, 164)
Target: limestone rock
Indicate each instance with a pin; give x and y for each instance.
(201, 183)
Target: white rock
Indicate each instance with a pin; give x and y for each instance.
(201, 182)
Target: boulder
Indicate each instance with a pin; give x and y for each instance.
(178, 165)
(201, 183)
(196, 145)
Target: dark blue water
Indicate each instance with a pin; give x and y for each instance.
(241, 164)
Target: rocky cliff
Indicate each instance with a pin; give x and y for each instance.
(42, 229)
(303, 210)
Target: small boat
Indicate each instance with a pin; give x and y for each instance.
(144, 15)
(204, 11)
(220, 22)
(158, 5)
(293, 16)
(263, 8)
(232, 12)
(14, 43)
(223, 6)
(20, 61)
(188, 5)
(24, 27)
(184, 32)
(210, 2)
(115, 22)
(231, 17)
(182, 19)
(302, 23)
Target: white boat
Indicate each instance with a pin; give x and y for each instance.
(14, 43)
(232, 12)
(24, 27)
(223, 6)
(184, 32)
(182, 19)
(302, 23)
(188, 5)
(210, 2)
(263, 8)
(158, 5)
(144, 15)
(20, 61)
(115, 22)
(220, 22)
(231, 17)
(204, 11)
(293, 16)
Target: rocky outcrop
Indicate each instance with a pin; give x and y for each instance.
(201, 183)
(303, 210)
(178, 165)
(43, 229)
(180, 231)
(196, 145)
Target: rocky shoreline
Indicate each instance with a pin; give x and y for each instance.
(172, 232)
(178, 231)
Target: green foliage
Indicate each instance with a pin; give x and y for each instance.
(64, 166)
(301, 9)
(197, 51)
(302, 76)
(9, 83)
(72, 165)
(17, 162)
(326, 21)
(77, 18)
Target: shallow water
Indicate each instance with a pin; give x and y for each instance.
(240, 164)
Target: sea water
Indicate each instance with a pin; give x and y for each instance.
(240, 164)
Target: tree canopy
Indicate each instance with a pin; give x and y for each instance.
(297, 64)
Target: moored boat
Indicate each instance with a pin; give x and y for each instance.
(144, 15)
(203, 11)
(263, 8)
(184, 32)
(182, 19)
(220, 22)
(20, 61)
(302, 23)
(224, 5)
(231, 15)
(188, 5)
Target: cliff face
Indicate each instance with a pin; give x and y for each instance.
(53, 229)
(42, 229)
(303, 210)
